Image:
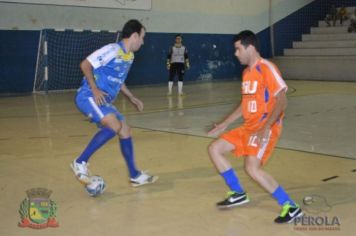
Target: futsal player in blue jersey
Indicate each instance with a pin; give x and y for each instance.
(105, 72)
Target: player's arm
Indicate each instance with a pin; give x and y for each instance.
(169, 56)
(186, 58)
(135, 101)
(280, 106)
(87, 69)
(236, 114)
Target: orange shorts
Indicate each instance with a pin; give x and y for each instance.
(246, 145)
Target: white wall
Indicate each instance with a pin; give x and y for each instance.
(186, 16)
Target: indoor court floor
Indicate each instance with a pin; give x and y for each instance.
(316, 156)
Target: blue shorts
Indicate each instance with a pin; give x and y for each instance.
(95, 112)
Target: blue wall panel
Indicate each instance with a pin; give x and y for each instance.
(211, 55)
(18, 54)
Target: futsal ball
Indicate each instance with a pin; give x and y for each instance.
(96, 186)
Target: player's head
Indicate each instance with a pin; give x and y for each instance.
(178, 39)
(135, 32)
(246, 46)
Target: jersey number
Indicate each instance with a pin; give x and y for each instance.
(252, 141)
(252, 106)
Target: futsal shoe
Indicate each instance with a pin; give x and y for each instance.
(233, 199)
(81, 171)
(289, 213)
(143, 179)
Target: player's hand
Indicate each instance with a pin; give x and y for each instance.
(218, 128)
(137, 102)
(187, 64)
(99, 96)
(168, 64)
(263, 134)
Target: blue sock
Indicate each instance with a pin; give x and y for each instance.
(282, 197)
(99, 139)
(232, 181)
(128, 153)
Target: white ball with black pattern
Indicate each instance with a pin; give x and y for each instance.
(96, 187)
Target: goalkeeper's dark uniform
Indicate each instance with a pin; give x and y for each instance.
(177, 62)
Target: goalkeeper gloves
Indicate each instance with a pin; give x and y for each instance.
(187, 65)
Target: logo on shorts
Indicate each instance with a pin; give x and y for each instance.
(37, 211)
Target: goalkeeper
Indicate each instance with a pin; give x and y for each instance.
(177, 62)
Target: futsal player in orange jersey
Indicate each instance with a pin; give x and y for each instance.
(262, 107)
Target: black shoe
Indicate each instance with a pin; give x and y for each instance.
(289, 213)
(234, 199)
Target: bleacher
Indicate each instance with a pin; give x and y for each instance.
(327, 53)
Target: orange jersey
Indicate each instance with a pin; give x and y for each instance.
(260, 85)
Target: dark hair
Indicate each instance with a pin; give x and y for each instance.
(247, 38)
(132, 26)
(178, 35)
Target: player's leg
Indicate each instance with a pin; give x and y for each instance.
(110, 127)
(254, 168)
(105, 133)
(180, 72)
(171, 78)
(137, 177)
(236, 195)
(290, 210)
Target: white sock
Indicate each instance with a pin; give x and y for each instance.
(180, 87)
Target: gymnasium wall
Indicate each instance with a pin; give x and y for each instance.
(207, 28)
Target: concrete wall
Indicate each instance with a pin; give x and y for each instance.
(198, 16)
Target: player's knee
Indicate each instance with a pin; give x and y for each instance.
(112, 122)
(116, 127)
(125, 132)
(214, 148)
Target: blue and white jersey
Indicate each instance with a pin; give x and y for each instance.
(111, 65)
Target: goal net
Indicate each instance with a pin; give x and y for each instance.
(60, 53)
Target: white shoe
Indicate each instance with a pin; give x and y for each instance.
(169, 94)
(81, 171)
(143, 179)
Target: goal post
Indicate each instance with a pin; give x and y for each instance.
(60, 53)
